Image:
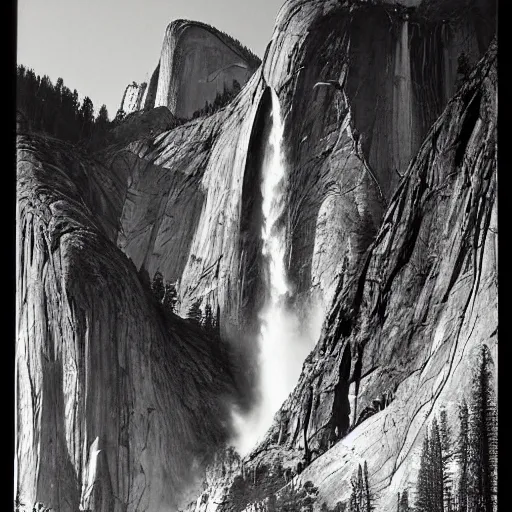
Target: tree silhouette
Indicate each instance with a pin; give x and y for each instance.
(208, 321)
(482, 436)
(446, 448)
(436, 461)
(360, 496)
(194, 312)
(170, 297)
(56, 111)
(157, 286)
(403, 502)
(463, 447)
(424, 491)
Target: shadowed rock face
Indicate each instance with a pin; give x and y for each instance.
(118, 405)
(409, 321)
(400, 253)
(346, 149)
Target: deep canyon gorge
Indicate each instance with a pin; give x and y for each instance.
(337, 217)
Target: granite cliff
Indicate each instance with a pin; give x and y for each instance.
(389, 117)
(405, 325)
(108, 385)
(197, 62)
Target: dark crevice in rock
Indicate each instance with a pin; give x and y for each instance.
(340, 417)
(152, 88)
(251, 217)
(307, 415)
(356, 375)
(468, 125)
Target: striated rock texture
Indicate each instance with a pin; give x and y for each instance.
(133, 98)
(390, 223)
(406, 324)
(118, 404)
(346, 147)
(197, 62)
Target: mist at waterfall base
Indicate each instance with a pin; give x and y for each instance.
(288, 330)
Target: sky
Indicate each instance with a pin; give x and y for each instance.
(98, 47)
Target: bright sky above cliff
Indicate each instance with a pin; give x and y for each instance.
(100, 46)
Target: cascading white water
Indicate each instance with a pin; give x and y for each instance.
(283, 343)
(402, 101)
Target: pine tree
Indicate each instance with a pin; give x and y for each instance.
(157, 286)
(86, 117)
(482, 436)
(368, 497)
(170, 297)
(102, 118)
(353, 501)
(194, 312)
(445, 434)
(403, 503)
(360, 490)
(217, 321)
(436, 462)
(462, 452)
(209, 323)
(58, 85)
(424, 494)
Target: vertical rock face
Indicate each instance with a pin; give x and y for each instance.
(390, 221)
(197, 63)
(133, 97)
(409, 323)
(344, 164)
(114, 397)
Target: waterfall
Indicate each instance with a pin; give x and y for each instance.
(402, 102)
(284, 341)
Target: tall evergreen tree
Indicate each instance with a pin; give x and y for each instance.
(360, 490)
(86, 117)
(436, 462)
(209, 322)
(194, 312)
(353, 504)
(403, 502)
(102, 118)
(157, 286)
(170, 297)
(462, 453)
(482, 436)
(424, 493)
(367, 493)
(444, 431)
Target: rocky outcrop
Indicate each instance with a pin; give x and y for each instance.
(197, 63)
(407, 323)
(133, 98)
(390, 224)
(118, 404)
(343, 165)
